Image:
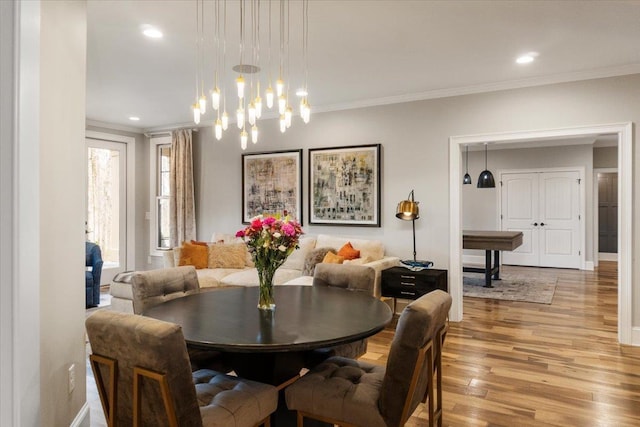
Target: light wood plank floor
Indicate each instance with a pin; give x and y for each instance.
(524, 364)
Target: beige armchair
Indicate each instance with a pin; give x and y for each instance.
(348, 392)
(143, 376)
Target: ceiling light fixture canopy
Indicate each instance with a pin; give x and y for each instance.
(485, 180)
(248, 80)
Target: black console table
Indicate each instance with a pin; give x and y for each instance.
(401, 282)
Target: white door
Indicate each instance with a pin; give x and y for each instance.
(560, 219)
(107, 204)
(545, 206)
(519, 194)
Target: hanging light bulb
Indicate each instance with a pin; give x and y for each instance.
(282, 104)
(225, 120)
(254, 134)
(196, 113)
(283, 123)
(240, 117)
(307, 116)
(240, 84)
(243, 139)
(279, 87)
(288, 113)
(215, 98)
(258, 104)
(269, 96)
(252, 113)
(203, 104)
(217, 127)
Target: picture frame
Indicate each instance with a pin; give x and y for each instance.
(272, 184)
(344, 185)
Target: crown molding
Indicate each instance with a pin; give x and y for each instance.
(485, 88)
(113, 126)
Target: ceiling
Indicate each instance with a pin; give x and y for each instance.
(361, 53)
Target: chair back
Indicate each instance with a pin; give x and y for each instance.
(359, 278)
(93, 259)
(135, 342)
(419, 325)
(153, 287)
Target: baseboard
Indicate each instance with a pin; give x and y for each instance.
(473, 260)
(82, 419)
(635, 336)
(603, 256)
(589, 266)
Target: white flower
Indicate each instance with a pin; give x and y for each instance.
(265, 245)
(282, 248)
(277, 234)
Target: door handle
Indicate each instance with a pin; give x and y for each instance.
(542, 224)
(535, 224)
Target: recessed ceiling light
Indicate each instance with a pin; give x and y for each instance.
(527, 58)
(302, 92)
(134, 118)
(151, 32)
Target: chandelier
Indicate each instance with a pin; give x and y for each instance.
(248, 80)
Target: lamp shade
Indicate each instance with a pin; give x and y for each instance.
(466, 179)
(485, 180)
(408, 209)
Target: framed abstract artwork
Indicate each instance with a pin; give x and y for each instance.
(272, 184)
(344, 185)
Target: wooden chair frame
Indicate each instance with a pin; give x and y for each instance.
(138, 374)
(433, 354)
(108, 398)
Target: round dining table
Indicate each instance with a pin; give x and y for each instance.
(272, 346)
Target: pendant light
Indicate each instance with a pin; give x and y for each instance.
(485, 180)
(467, 177)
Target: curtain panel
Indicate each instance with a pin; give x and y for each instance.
(181, 200)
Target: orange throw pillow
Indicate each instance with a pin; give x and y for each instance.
(196, 242)
(196, 255)
(331, 258)
(348, 252)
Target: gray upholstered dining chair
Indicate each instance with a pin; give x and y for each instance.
(143, 376)
(349, 392)
(153, 287)
(357, 278)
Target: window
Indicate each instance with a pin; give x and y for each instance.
(160, 163)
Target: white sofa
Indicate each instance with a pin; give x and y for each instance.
(290, 273)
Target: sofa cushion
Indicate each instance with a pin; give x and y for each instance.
(295, 261)
(227, 255)
(331, 258)
(195, 255)
(314, 257)
(348, 252)
(358, 261)
(249, 277)
(212, 277)
(370, 248)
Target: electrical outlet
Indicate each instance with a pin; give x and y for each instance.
(147, 216)
(72, 377)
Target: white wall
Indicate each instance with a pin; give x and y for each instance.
(62, 203)
(480, 205)
(605, 157)
(414, 137)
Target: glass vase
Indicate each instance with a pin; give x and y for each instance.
(265, 298)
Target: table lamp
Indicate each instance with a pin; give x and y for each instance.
(408, 211)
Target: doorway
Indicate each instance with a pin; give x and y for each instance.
(607, 215)
(624, 135)
(110, 203)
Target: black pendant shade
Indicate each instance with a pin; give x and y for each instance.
(485, 180)
(467, 177)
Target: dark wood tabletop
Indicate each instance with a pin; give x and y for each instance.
(306, 317)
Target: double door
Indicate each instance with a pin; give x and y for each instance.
(546, 207)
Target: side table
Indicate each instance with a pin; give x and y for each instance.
(401, 282)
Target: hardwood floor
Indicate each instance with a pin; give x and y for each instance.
(525, 364)
(518, 364)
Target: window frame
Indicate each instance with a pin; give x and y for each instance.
(154, 193)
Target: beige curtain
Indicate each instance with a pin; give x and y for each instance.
(181, 201)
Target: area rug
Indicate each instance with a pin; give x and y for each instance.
(511, 288)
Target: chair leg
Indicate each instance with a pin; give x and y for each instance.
(138, 373)
(107, 397)
(300, 419)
